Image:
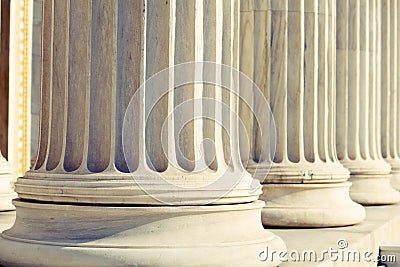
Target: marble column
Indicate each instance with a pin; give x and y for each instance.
(6, 193)
(390, 110)
(119, 179)
(304, 184)
(359, 94)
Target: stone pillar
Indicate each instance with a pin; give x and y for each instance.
(359, 95)
(119, 179)
(294, 68)
(20, 86)
(390, 127)
(6, 193)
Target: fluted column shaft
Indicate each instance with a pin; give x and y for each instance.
(92, 68)
(359, 94)
(294, 67)
(123, 127)
(390, 111)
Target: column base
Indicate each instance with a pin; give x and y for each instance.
(373, 189)
(6, 201)
(310, 205)
(6, 193)
(395, 172)
(395, 180)
(80, 235)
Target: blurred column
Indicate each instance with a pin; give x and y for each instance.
(304, 184)
(359, 98)
(390, 110)
(6, 177)
(6, 192)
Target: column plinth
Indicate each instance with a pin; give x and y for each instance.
(166, 236)
(123, 175)
(6, 192)
(395, 173)
(294, 68)
(308, 203)
(371, 181)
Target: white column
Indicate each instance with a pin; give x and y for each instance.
(119, 179)
(390, 109)
(6, 192)
(294, 67)
(359, 95)
(20, 86)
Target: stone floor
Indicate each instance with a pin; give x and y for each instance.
(382, 225)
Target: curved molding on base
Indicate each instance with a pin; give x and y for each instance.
(310, 205)
(305, 172)
(367, 167)
(373, 190)
(149, 188)
(217, 235)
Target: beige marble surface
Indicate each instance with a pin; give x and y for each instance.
(379, 227)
